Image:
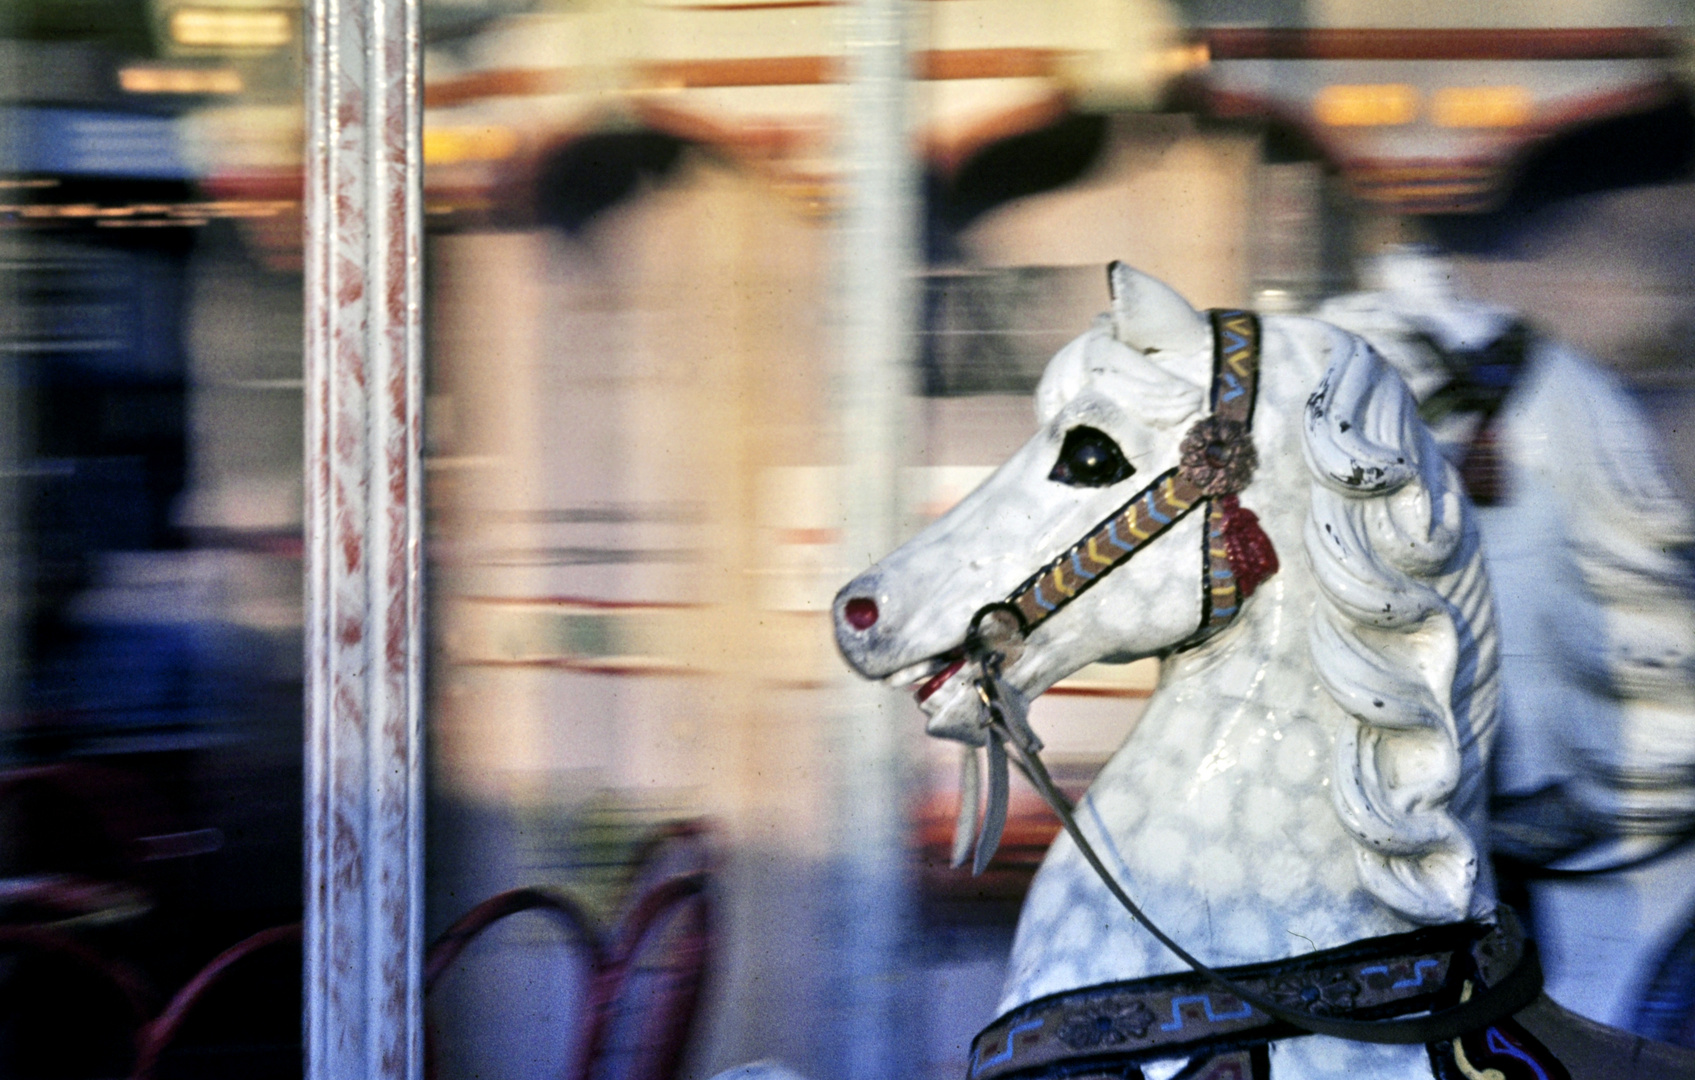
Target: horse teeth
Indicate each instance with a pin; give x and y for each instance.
(913, 674)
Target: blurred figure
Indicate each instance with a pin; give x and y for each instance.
(633, 475)
(149, 635)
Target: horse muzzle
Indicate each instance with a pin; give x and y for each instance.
(888, 628)
(864, 632)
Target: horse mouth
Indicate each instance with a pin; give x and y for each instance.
(930, 675)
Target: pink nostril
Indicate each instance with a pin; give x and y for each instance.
(861, 612)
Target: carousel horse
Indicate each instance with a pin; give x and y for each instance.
(1301, 811)
(1586, 541)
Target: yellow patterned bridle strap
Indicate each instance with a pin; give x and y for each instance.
(1167, 500)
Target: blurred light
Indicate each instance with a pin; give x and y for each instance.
(152, 223)
(237, 208)
(139, 215)
(1182, 59)
(1366, 106)
(164, 80)
(451, 146)
(1481, 107)
(15, 182)
(66, 210)
(231, 28)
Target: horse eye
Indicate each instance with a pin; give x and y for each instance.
(1089, 458)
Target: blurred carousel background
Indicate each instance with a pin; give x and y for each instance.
(637, 485)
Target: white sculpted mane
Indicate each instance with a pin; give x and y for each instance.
(1587, 539)
(1609, 605)
(1395, 641)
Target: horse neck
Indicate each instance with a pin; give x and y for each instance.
(1261, 663)
(1215, 814)
(1243, 739)
(1236, 667)
(1212, 706)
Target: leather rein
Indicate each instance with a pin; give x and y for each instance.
(1217, 460)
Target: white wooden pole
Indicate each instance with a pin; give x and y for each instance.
(364, 773)
(876, 261)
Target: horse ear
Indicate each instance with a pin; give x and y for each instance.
(1149, 316)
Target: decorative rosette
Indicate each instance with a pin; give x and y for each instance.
(1110, 1021)
(1218, 456)
(1326, 993)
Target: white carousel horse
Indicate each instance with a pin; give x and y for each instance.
(1586, 544)
(1311, 770)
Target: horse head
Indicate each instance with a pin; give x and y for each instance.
(1117, 409)
(1309, 561)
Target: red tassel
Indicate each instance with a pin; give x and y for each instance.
(1251, 555)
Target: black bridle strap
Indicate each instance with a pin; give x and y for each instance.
(1168, 499)
(1518, 988)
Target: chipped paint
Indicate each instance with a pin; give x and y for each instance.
(364, 517)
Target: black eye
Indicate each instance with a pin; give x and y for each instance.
(1089, 458)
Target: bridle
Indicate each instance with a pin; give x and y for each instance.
(1217, 460)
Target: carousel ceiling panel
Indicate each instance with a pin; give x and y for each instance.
(1436, 120)
(724, 72)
